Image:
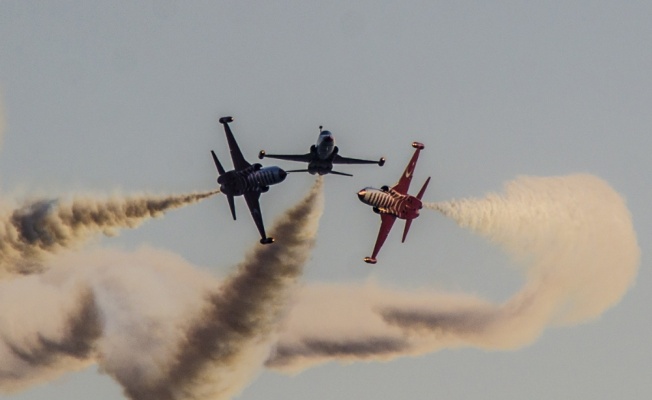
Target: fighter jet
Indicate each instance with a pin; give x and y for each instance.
(394, 202)
(246, 179)
(322, 156)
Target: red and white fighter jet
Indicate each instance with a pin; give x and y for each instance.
(394, 202)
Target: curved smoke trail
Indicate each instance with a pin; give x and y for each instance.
(44, 329)
(31, 232)
(164, 330)
(160, 327)
(573, 235)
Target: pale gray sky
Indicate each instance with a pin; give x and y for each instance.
(121, 96)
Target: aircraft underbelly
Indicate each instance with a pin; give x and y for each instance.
(409, 208)
(324, 151)
(320, 168)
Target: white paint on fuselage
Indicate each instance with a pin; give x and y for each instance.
(391, 202)
(325, 144)
(267, 176)
(385, 201)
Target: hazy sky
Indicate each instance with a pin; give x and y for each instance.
(124, 97)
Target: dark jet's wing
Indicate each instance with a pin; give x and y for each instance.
(254, 207)
(239, 163)
(387, 221)
(403, 184)
(345, 160)
(289, 157)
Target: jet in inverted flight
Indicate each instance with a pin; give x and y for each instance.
(246, 180)
(322, 156)
(394, 202)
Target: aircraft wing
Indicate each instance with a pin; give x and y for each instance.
(289, 157)
(386, 223)
(403, 184)
(239, 163)
(345, 160)
(254, 208)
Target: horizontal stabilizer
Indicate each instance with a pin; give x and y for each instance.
(231, 205)
(340, 173)
(408, 222)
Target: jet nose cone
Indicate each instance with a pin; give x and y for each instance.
(361, 194)
(282, 174)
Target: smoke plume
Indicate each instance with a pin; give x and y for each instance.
(573, 236)
(29, 233)
(44, 329)
(229, 340)
(160, 327)
(165, 330)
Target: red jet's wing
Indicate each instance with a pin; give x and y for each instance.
(403, 184)
(387, 221)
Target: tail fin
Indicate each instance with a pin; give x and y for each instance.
(423, 189)
(339, 173)
(220, 169)
(409, 221)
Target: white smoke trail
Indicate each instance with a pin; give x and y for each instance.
(573, 235)
(165, 332)
(137, 306)
(44, 329)
(229, 340)
(28, 234)
(158, 326)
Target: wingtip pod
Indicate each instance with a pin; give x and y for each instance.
(370, 260)
(381, 162)
(261, 154)
(418, 145)
(226, 120)
(267, 240)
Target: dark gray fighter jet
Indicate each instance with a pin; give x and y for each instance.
(246, 180)
(322, 156)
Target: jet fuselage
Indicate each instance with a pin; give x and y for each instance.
(403, 206)
(251, 179)
(325, 145)
(323, 152)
